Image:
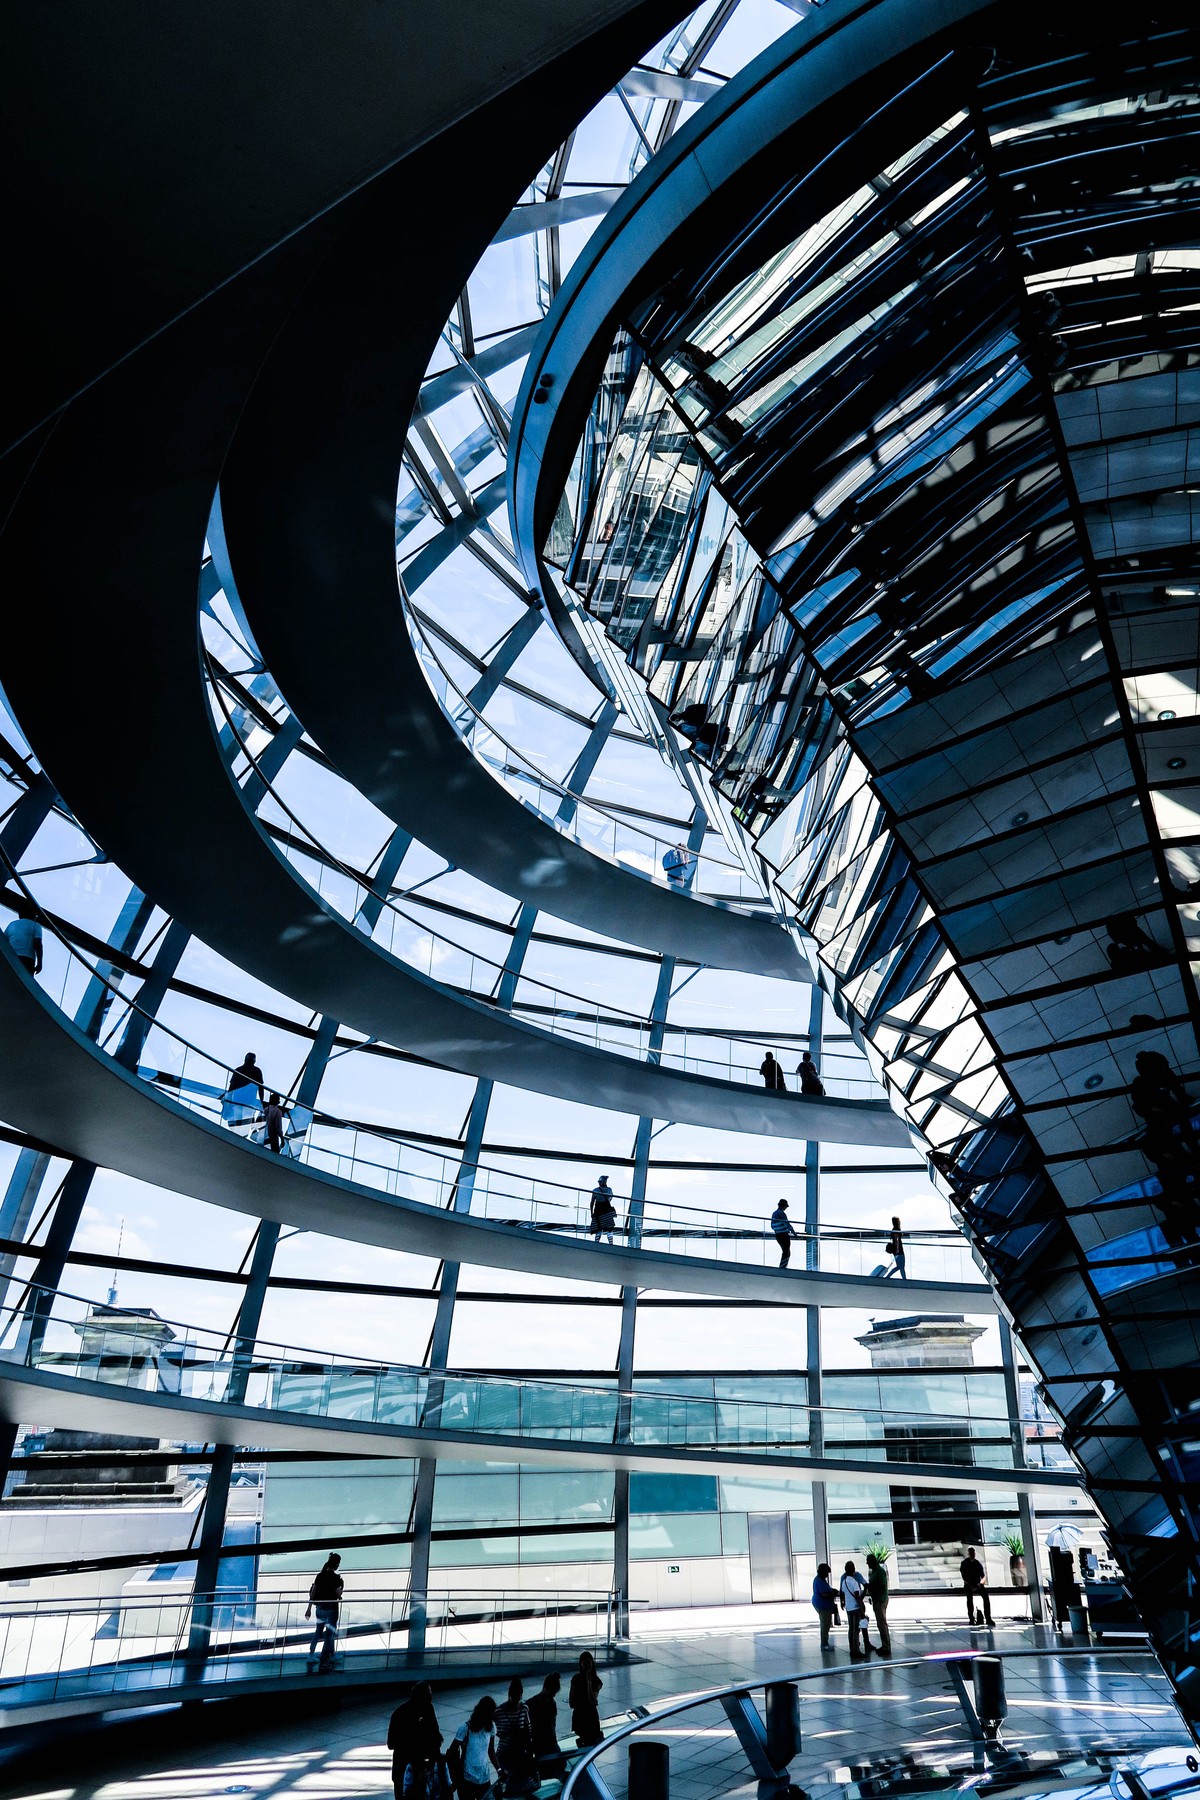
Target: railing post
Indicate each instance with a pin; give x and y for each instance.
(751, 1734)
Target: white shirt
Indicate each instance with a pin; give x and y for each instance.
(853, 1588)
(476, 1764)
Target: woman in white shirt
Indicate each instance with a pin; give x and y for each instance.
(854, 1599)
(472, 1757)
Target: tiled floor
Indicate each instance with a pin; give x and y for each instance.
(862, 1712)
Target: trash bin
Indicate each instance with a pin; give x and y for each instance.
(991, 1703)
(1078, 1616)
(783, 1722)
(649, 1770)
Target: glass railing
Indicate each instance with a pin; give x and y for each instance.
(555, 1010)
(627, 841)
(1071, 1721)
(404, 1169)
(93, 1646)
(63, 1334)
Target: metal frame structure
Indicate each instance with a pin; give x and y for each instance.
(928, 394)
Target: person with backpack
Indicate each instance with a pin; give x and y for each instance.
(472, 1756)
(853, 1591)
(416, 1746)
(584, 1698)
(604, 1213)
(825, 1602)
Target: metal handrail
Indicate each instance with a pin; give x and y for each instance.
(670, 1219)
(595, 1015)
(431, 1388)
(584, 1784)
(425, 647)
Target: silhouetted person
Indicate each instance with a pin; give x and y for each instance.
(584, 1697)
(604, 1212)
(781, 1225)
(276, 1120)
(244, 1095)
(1160, 1098)
(416, 1745)
(24, 935)
(974, 1580)
(810, 1081)
(324, 1597)
(772, 1074)
(1128, 946)
(895, 1249)
(825, 1602)
(514, 1742)
(543, 1720)
(877, 1589)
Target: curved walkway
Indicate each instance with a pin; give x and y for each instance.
(298, 1401)
(105, 540)
(307, 500)
(56, 1084)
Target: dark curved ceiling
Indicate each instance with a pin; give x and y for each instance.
(155, 151)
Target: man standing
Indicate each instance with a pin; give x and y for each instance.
(877, 1588)
(781, 1225)
(853, 1589)
(974, 1579)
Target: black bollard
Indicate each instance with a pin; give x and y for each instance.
(783, 1722)
(649, 1770)
(987, 1672)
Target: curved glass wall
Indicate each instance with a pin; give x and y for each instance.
(597, 761)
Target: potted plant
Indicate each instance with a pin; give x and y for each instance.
(1014, 1543)
(878, 1549)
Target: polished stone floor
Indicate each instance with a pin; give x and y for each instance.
(859, 1714)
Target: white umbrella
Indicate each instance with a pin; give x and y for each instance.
(1065, 1537)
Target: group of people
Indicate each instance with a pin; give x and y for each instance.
(246, 1098)
(785, 1234)
(771, 1070)
(508, 1749)
(856, 1593)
